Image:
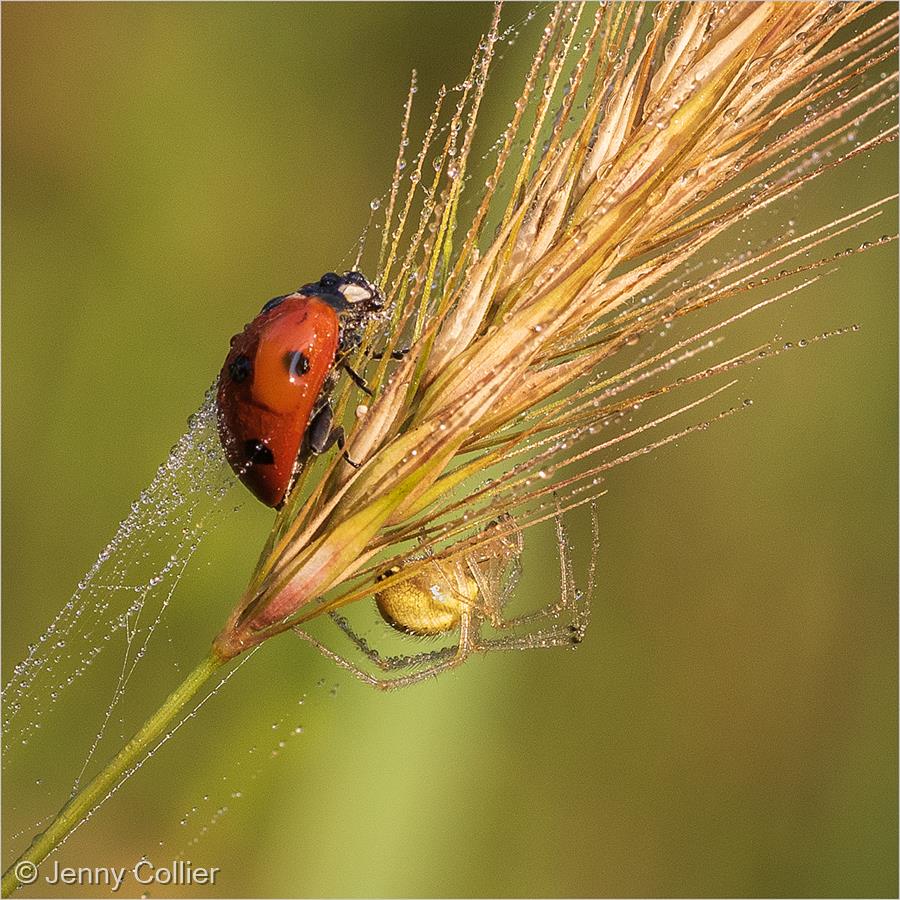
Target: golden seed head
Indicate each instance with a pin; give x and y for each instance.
(645, 140)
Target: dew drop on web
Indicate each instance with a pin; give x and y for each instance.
(120, 602)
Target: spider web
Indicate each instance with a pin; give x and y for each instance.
(123, 598)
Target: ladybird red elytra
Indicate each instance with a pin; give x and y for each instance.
(272, 401)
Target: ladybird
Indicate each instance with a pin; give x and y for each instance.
(272, 401)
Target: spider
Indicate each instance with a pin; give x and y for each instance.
(463, 595)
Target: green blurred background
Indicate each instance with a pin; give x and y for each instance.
(729, 727)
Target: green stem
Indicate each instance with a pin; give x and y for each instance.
(94, 793)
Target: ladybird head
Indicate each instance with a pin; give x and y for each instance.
(350, 292)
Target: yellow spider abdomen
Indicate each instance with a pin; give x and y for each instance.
(430, 602)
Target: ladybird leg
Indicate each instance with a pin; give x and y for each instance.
(357, 379)
(319, 434)
(395, 354)
(339, 437)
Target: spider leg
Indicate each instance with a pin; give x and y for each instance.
(568, 632)
(562, 636)
(572, 601)
(564, 621)
(455, 656)
(390, 663)
(355, 670)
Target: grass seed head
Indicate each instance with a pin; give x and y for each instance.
(648, 133)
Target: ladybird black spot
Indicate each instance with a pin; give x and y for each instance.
(258, 453)
(296, 362)
(240, 369)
